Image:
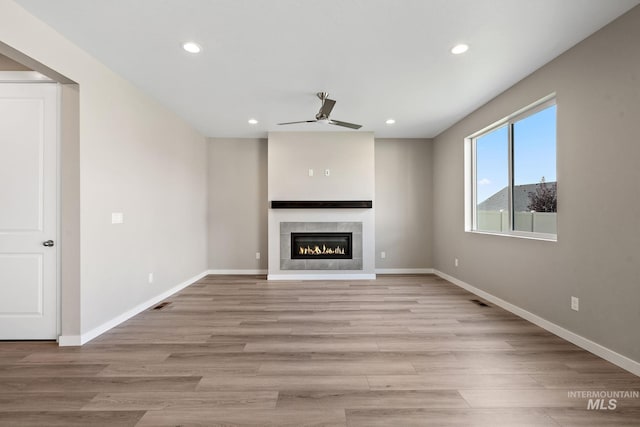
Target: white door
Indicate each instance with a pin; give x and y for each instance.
(28, 211)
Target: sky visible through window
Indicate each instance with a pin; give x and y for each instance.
(534, 154)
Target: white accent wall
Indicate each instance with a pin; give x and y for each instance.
(350, 159)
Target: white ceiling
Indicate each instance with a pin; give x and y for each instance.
(379, 59)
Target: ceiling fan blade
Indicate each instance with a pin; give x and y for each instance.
(326, 108)
(344, 124)
(295, 123)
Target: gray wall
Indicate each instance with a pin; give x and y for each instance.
(404, 208)
(595, 258)
(135, 157)
(238, 195)
(237, 214)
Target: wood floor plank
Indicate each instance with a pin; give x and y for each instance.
(306, 346)
(87, 357)
(284, 382)
(594, 367)
(222, 367)
(157, 400)
(44, 401)
(591, 381)
(448, 417)
(579, 417)
(183, 358)
(370, 399)
(451, 382)
(335, 367)
(207, 417)
(388, 357)
(519, 398)
(443, 344)
(71, 418)
(58, 370)
(487, 368)
(140, 384)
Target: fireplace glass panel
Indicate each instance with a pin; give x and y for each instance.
(317, 245)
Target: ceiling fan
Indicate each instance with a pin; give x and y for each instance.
(323, 114)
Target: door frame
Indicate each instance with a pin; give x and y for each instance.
(59, 241)
(68, 285)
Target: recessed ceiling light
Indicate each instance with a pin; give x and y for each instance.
(192, 47)
(253, 122)
(459, 48)
(390, 121)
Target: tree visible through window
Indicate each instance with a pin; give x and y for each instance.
(545, 198)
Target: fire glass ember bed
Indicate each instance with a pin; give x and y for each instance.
(319, 245)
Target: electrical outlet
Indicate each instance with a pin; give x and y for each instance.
(327, 172)
(150, 277)
(383, 254)
(575, 303)
(257, 255)
(455, 262)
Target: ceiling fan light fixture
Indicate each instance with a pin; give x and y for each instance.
(459, 48)
(192, 47)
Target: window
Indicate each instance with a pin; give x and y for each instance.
(511, 174)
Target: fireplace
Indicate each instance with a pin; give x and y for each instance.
(339, 246)
(319, 245)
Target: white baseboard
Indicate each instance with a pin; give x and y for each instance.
(404, 270)
(300, 276)
(358, 276)
(75, 340)
(585, 343)
(237, 272)
(69, 340)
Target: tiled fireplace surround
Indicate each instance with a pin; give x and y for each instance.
(360, 222)
(286, 263)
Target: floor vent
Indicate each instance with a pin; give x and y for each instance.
(161, 305)
(480, 303)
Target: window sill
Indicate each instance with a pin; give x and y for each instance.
(519, 235)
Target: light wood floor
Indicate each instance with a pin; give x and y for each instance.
(399, 351)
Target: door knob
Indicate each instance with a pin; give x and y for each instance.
(48, 243)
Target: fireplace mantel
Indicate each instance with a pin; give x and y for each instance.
(321, 204)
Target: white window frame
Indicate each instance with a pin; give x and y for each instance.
(470, 177)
